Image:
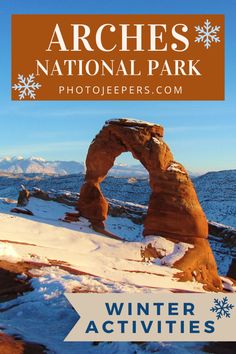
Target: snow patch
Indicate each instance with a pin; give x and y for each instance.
(36, 158)
(171, 251)
(131, 120)
(157, 141)
(8, 253)
(175, 167)
(228, 284)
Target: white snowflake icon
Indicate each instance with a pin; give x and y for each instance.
(26, 86)
(222, 308)
(207, 34)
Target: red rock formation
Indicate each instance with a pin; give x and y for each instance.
(23, 197)
(174, 210)
(10, 345)
(199, 264)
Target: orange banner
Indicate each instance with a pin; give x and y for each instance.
(118, 57)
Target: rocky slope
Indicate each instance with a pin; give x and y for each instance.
(216, 190)
(222, 237)
(217, 194)
(91, 263)
(44, 268)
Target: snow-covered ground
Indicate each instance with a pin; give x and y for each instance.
(72, 257)
(85, 262)
(83, 249)
(217, 194)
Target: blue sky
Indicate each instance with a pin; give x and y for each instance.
(201, 134)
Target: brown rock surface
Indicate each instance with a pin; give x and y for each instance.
(21, 211)
(174, 210)
(10, 345)
(11, 285)
(23, 197)
(199, 264)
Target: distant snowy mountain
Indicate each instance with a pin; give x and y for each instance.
(124, 170)
(39, 165)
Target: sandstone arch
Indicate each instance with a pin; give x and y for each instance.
(174, 210)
